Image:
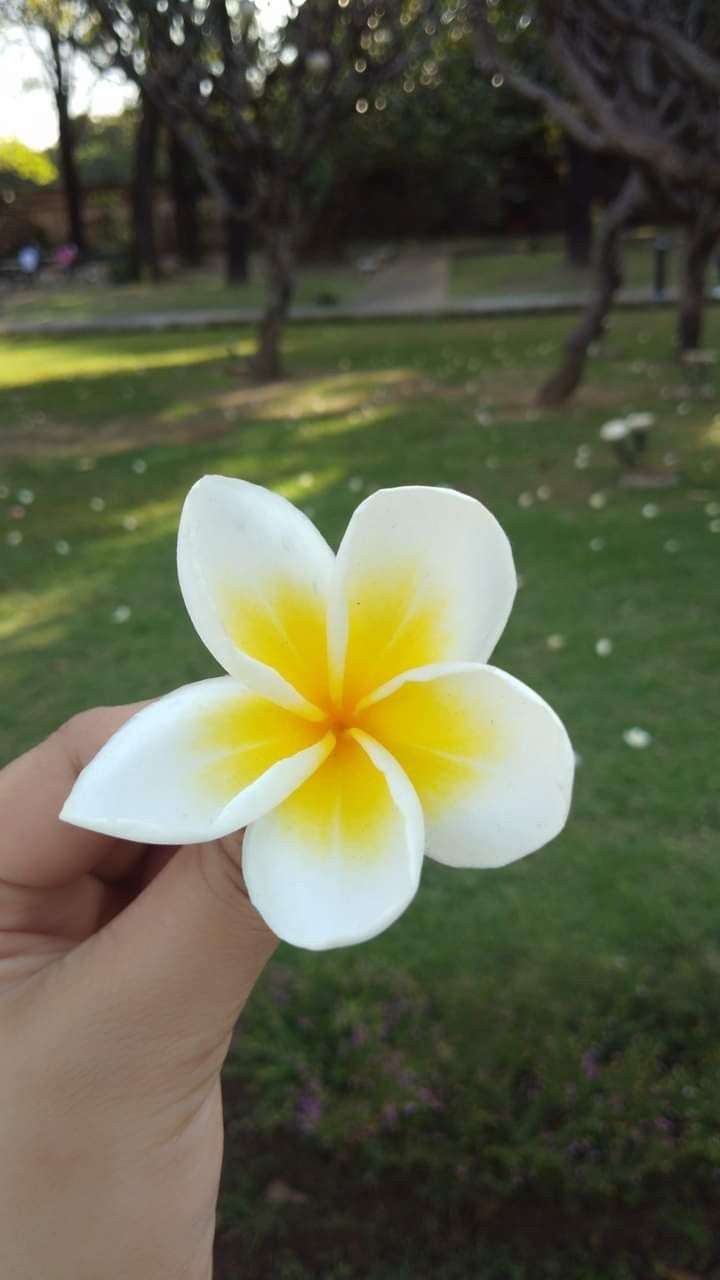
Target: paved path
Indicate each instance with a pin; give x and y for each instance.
(414, 282)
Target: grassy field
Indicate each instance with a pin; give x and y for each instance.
(202, 290)
(497, 271)
(521, 1079)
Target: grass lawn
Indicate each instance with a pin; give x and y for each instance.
(545, 270)
(521, 1079)
(202, 290)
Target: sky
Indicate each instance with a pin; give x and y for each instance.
(28, 113)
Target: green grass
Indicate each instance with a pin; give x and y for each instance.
(521, 1079)
(544, 270)
(197, 291)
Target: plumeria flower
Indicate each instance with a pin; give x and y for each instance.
(358, 725)
(614, 430)
(639, 421)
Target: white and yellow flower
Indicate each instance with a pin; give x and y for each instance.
(358, 726)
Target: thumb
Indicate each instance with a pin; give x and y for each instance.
(174, 969)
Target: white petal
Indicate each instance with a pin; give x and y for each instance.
(491, 762)
(195, 765)
(254, 573)
(423, 576)
(341, 859)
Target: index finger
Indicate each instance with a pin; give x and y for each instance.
(36, 849)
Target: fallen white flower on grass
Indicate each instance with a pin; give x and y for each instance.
(614, 430)
(639, 421)
(358, 727)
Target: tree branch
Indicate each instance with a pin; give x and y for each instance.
(682, 52)
(492, 61)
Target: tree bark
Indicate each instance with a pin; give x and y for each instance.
(185, 191)
(236, 228)
(236, 249)
(608, 278)
(144, 260)
(68, 165)
(267, 364)
(701, 237)
(578, 206)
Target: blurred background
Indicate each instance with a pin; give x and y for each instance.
(352, 243)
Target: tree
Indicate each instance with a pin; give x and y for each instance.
(266, 97)
(144, 261)
(54, 21)
(186, 189)
(639, 80)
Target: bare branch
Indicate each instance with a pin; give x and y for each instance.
(684, 54)
(492, 61)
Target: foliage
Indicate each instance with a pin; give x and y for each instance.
(105, 149)
(24, 165)
(467, 153)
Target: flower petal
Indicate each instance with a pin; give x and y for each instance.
(254, 573)
(491, 762)
(341, 859)
(196, 765)
(428, 577)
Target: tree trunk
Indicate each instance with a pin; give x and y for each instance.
(578, 205)
(608, 278)
(143, 254)
(236, 228)
(236, 249)
(701, 238)
(185, 189)
(267, 364)
(68, 166)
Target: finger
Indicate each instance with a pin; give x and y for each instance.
(37, 849)
(182, 958)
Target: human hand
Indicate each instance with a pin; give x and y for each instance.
(122, 971)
